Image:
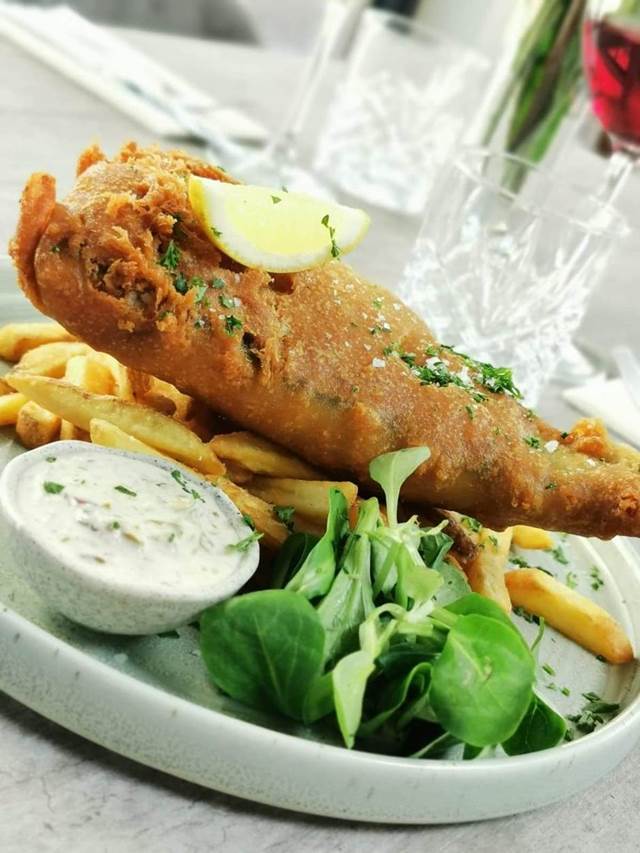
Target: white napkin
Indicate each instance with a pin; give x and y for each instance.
(102, 63)
(608, 399)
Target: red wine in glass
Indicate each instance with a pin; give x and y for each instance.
(611, 53)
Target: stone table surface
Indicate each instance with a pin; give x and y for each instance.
(59, 792)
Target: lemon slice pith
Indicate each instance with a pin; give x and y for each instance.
(274, 230)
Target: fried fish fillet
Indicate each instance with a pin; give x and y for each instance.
(329, 365)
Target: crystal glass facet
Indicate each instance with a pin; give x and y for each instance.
(405, 103)
(505, 262)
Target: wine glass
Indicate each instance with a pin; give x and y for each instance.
(506, 275)
(611, 60)
(611, 57)
(278, 164)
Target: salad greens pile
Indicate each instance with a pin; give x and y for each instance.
(373, 630)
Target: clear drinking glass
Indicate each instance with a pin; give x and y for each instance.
(505, 275)
(402, 107)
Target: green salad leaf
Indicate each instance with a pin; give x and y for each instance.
(264, 648)
(373, 630)
(390, 470)
(540, 728)
(481, 683)
(316, 574)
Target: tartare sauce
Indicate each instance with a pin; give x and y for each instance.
(131, 521)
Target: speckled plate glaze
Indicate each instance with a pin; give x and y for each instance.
(150, 699)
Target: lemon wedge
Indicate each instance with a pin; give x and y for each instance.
(274, 230)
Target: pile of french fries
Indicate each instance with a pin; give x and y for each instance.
(60, 388)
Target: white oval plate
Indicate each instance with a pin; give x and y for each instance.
(150, 699)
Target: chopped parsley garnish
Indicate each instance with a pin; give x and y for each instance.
(178, 476)
(597, 581)
(379, 329)
(519, 561)
(170, 258)
(564, 435)
(533, 441)
(181, 284)
(248, 521)
(164, 314)
(199, 323)
(126, 491)
(50, 459)
(217, 283)
(285, 515)
(472, 523)
(276, 199)
(200, 288)
(593, 714)
(494, 541)
(56, 248)
(499, 380)
(335, 249)
(231, 324)
(378, 302)
(52, 488)
(601, 658)
(435, 371)
(559, 556)
(550, 486)
(244, 544)
(115, 525)
(548, 669)
(470, 412)
(571, 580)
(216, 233)
(528, 617)
(565, 691)
(226, 301)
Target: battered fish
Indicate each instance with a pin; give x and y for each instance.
(329, 365)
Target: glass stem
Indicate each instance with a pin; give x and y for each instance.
(338, 14)
(619, 168)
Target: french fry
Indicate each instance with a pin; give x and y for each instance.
(165, 393)
(574, 615)
(309, 498)
(80, 407)
(109, 435)
(262, 456)
(240, 475)
(160, 395)
(10, 405)
(120, 374)
(274, 533)
(532, 538)
(18, 338)
(50, 359)
(139, 382)
(36, 426)
(90, 375)
(485, 571)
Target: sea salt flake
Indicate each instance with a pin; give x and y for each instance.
(551, 446)
(378, 362)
